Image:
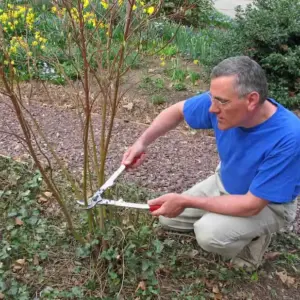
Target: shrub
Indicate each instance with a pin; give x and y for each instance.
(188, 12)
(269, 32)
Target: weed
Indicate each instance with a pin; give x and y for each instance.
(152, 86)
(158, 99)
(194, 77)
(179, 86)
(178, 75)
(169, 51)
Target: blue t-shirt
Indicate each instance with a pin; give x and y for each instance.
(264, 159)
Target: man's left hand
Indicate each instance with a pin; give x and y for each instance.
(171, 205)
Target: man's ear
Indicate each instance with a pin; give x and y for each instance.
(253, 100)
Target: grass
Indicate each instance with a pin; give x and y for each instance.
(40, 259)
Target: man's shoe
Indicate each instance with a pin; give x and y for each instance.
(251, 256)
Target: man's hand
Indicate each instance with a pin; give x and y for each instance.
(137, 150)
(171, 205)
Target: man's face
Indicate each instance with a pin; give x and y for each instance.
(231, 111)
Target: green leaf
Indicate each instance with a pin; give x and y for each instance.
(77, 291)
(26, 193)
(158, 246)
(12, 214)
(145, 265)
(254, 276)
(113, 275)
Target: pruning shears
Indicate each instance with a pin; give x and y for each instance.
(97, 199)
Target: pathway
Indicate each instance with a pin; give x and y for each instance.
(227, 6)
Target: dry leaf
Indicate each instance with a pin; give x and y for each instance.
(209, 284)
(288, 280)
(42, 200)
(48, 194)
(216, 289)
(19, 222)
(272, 255)
(129, 106)
(218, 297)
(17, 268)
(141, 285)
(1, 296)
(293, 251)
(20, 261)
(36, 260)
(193, 253)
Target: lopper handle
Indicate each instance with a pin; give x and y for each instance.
(135, 160)
(154, 207)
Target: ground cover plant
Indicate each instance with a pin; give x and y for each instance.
(41, 260)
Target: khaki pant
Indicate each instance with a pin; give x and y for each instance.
(223, 234)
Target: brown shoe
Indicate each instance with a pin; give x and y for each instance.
(251, 257)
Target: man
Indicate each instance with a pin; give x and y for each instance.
(253, 191)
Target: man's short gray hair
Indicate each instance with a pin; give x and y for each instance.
(250, 76)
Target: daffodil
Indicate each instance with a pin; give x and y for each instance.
(196, 61)
(86, 3)
(134, 7)
(30, 19)
(13, 49)
(104, 4)
(150, 10)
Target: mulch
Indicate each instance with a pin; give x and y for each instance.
(174, 162)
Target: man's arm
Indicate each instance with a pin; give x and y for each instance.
(234, 205)
(164, 122)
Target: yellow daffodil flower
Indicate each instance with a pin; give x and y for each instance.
(104, 4)
(150, 10)
(86, 3)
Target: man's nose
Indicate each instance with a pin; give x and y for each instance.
(214, 108)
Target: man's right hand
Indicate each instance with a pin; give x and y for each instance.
(135, 155)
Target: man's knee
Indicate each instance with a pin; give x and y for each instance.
(175, 224)
(210, 236)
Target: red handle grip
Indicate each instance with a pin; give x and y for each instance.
(135, 159)
(154, 207)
